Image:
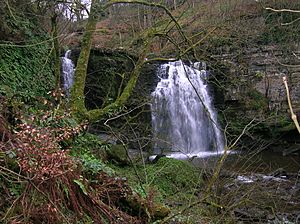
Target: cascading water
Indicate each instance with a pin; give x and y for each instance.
(67, 72)
(183, 117)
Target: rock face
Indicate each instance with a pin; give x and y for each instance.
(249, 87)
(108, 72)
(253, 89)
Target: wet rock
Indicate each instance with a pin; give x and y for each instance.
(278, 173)
(250, 216)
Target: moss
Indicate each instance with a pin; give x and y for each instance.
(77, 91)
(170, 175)
(167, 176)
(170, 182)
(118, 154)
(256, 100)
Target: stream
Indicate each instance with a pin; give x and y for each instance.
(257, 187)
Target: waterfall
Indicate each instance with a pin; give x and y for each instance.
(67, 72)
(183, 117)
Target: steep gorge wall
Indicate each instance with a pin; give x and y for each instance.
(253, 89)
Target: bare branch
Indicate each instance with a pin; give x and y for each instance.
(283, 10)
(155, 5)
(290, 23)
(293, 115)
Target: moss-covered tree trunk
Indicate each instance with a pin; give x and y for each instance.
(77, 91)
(96, 114)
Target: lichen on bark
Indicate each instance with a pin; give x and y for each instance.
(77, 101)
(77, 92)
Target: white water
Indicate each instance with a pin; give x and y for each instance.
(67, 72)
(183, 117)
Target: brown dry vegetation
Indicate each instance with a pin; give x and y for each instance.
(236, 22)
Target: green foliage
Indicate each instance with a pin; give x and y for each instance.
(93, 165)
(25, 72)
(167, 176)
(256, 100)
(86, 142)
(171, 176)
(260, 75)
(17, 21)
(80, 183)
(85, 147)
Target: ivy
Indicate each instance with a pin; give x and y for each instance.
(26, 72)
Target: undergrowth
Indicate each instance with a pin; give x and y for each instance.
(91, 153)
(167, 176)
(42, 183)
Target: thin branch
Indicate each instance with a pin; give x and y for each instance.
(124, 114)
(293, 115)
(155, 5)
(290, 23)
(283, 10)
(14, 173)
(198, 42)
(10, 11)
(243, 132)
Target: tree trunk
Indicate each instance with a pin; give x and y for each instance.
(77, 91)
(77, 101)
(96, 114)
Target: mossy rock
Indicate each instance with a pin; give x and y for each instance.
(118, 154)
(140, 206)
(167, 176)
(168, 181)
(160, 212)
(171, 175)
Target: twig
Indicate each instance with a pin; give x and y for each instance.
(203, 200)
(51, 202)
(14, 173)
(10, 11)
(243, 132)
(293, 115)
(283, 10)
(11, 208)
(128, 157)
(290, 23)
(124, 114)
